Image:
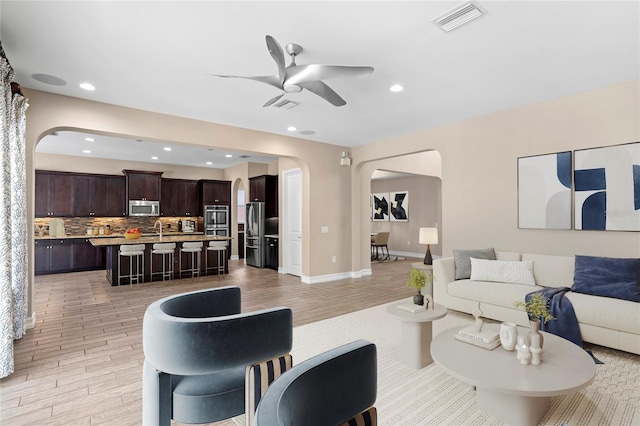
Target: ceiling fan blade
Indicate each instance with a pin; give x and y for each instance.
(268, 79)
(321, 89)
(278, 55)
(273, 100)
(313, 72)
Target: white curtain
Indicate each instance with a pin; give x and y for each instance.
(13, 217)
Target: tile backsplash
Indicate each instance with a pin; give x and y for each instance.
(79, 225)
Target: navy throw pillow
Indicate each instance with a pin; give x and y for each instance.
(608, 277)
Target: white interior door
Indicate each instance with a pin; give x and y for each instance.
(292, 218)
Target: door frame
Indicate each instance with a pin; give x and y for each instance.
(286, 206)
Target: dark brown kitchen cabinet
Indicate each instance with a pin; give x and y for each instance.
(179, 197)
(142, 185)
(100, 196)
(87, 257)
(265, 188)
(57, 255)
(54, 194)
(215, 192)
(53, 256)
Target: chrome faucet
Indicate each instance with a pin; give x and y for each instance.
(154, 227)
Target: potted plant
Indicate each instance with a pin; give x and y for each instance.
(418, 280)
(538, 310)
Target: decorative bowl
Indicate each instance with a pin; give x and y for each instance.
(132, 236)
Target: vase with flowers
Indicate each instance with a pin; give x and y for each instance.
(537, 308)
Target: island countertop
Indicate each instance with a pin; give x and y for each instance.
(102, 242)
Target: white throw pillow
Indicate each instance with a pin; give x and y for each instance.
(502, 271)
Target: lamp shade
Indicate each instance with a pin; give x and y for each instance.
(428, 236)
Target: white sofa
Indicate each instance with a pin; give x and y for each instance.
(604, 321)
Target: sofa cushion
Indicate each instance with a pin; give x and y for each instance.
(607, 277)
(551, 271)
(494, 293)
(502, 271)
(605, 312)
(463, 262)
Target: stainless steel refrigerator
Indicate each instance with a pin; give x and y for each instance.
(254, 234)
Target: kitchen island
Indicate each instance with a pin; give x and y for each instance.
(113, 244)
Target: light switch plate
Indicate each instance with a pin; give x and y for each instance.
(324, 230)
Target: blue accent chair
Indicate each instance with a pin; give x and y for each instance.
(327, 390)
(196, 347)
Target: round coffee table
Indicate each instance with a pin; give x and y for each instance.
(514, 393)
(416, 332)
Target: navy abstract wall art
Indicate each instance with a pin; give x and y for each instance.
(544, 191)
(607, 188)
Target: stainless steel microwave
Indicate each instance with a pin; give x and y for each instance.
(144, 208)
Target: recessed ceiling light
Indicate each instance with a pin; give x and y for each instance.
(396, 88)
(228, 155)
(209, 163)
(87, 86)
(166, 148)
(49, 79)
(291, 129)
(86, 151)
(89, 139)
(154, 158)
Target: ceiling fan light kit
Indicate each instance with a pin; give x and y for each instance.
(294, 78)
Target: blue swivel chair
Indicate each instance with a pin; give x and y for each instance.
(197, 346)
(335, 388)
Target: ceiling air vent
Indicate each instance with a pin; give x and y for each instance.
(459, 15)
(286, 104)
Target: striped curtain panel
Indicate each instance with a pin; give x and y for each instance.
(13, 214)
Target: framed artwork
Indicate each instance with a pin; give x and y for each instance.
(607, 188)
(399, 206)
(544, 191)
(380, 203)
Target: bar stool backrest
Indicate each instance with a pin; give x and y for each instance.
(192, 245)
(221, 244)
(130, 249)
(164, 246)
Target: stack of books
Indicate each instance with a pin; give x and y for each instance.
(484, 339)
(411, 307)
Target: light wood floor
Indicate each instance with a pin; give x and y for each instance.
(81, 364)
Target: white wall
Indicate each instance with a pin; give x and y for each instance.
(479, 170)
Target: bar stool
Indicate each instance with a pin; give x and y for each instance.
(132, 251)
(194, 248)
(220, 247)
(165, 250)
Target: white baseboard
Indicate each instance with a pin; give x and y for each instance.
(235, 257)
(335, 277)
(31, 321)
(406, 254)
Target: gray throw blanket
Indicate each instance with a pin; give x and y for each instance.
(565, 324)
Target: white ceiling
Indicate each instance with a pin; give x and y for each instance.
(157, 56)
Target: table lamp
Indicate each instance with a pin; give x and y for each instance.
(428, 236)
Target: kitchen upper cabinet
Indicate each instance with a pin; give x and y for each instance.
(179, 197)
(54, 194)
(142, 185)
(100, 196)
(215, 192)
(265, 188)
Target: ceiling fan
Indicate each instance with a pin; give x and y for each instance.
(294, 78)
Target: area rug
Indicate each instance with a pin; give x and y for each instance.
(431, 397)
